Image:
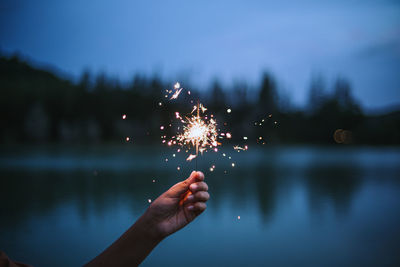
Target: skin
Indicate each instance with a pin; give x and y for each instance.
(171, 211)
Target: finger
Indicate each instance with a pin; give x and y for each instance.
(200, 186)
(197, 207)
(195, 177)
(200, 176)
(201, 196)
(178, 189)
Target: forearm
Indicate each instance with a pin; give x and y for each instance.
(132, 247)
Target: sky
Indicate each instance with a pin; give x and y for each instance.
(229, 40)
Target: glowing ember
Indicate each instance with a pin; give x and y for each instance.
(176, 94)
(191, 157)
(238, 148)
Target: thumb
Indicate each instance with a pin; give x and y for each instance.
(178, 189)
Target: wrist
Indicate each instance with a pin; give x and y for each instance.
(149, 226)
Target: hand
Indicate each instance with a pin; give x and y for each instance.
(171, 211)
(179, 205)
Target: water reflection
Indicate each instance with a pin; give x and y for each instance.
(336, 185)
(269, 189)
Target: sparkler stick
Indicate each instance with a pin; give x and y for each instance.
(197, 142)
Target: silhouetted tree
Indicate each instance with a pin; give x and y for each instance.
(267, 98)
(317, 95)
(343, 96)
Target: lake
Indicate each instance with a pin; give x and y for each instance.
(307, 206)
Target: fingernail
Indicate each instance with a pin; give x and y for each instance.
(190, 207)
(193, 187)
(190, 197)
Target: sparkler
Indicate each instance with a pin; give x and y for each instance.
(197, 131)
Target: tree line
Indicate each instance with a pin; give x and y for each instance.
(37, 106)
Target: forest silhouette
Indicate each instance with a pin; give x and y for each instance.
(37, 106)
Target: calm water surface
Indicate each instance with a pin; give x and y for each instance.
(305, 206)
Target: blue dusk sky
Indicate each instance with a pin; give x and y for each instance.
(200, 41)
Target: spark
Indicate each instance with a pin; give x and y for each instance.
(149, 200)
(178, 168)
(176, 94)
(177, 85)
(154, 180)
(229, 110)
(127, 139)
(238, 148)
(191, 157)
(124, 116)
(161, 127)
(238, 217)
(233, 164)
(228, 135)
(245, 137)
(203, 109)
